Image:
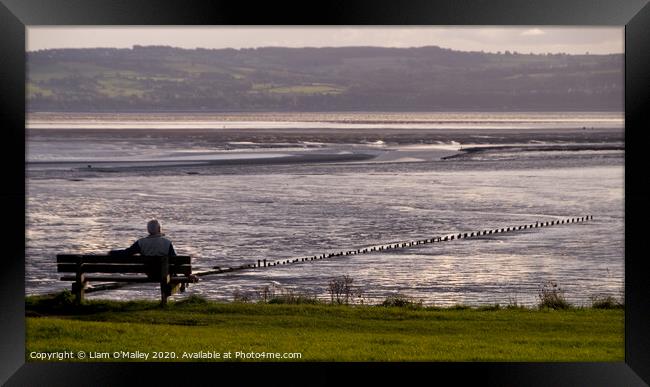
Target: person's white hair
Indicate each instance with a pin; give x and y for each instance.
(154, 227)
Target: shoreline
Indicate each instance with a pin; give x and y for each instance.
(353, 120)
(313, 116)
(55, 303)
(115, 166)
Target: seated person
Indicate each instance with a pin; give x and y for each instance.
(154, 245)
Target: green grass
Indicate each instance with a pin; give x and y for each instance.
(33, 89)
(306, 89)
(327, 332)
(114, 87)
(195, 67)
(158, 78)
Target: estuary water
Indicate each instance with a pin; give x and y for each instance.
(232, 189)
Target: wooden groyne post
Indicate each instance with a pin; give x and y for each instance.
(403, 244)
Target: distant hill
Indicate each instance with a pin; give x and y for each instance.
(160, 78)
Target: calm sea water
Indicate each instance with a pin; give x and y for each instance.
(232, 196)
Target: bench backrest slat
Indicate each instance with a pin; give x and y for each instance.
(73, 263)
(79, 258)
(102, 268)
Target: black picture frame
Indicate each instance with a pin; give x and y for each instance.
(15, 15)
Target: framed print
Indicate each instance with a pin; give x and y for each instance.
(372, 189)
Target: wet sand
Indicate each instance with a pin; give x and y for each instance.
(349, 136)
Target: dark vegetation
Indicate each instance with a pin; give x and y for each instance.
(606, 302)
(551, 296)
(401, 301)
(160, 78)
(342, 291)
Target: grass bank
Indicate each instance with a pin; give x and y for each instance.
(322, 332)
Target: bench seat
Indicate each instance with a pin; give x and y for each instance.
(98, 278)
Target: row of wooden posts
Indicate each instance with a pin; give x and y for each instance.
(397, 245)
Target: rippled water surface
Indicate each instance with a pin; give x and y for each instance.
(231, 214)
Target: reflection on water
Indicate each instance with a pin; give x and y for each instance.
(231, 215)
(351, 120)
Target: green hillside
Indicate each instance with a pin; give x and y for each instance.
(156, 78)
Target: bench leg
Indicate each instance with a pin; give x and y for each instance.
(165, 292)
(78, 291)
(78, 288)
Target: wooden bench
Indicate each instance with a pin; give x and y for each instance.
(169, 272)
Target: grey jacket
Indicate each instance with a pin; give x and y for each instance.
(153, 246)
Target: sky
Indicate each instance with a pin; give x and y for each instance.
(535, 39)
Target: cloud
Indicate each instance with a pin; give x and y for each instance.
(576, 40)
(533, 32)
